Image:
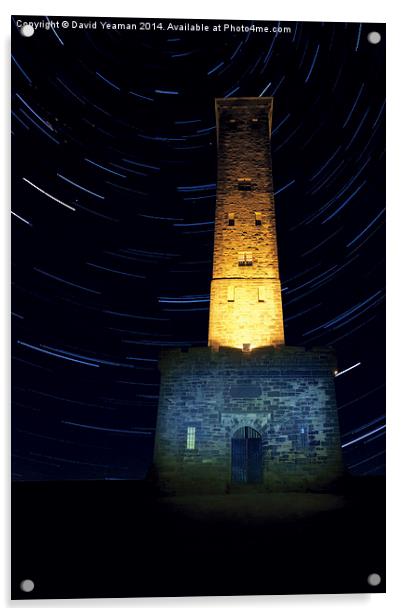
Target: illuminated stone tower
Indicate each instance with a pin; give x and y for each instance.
(246, 303)
(247, 409)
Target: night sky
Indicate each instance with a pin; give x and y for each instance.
(113, 196)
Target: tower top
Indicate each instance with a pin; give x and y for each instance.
(252, 103)
(246, 304)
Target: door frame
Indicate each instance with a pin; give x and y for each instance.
(255, 435)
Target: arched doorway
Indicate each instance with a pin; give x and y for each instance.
(246, 456)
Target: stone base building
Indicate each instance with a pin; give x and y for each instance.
(247, 410)
(266, 418)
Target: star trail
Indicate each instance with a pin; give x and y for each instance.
(113, 203)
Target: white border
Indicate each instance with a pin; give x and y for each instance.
(284, 10)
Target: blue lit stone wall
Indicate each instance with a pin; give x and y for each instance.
(285, 393)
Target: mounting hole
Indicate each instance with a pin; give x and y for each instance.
(374, 37)
(27, 30)
(374, 579)
(27, 585)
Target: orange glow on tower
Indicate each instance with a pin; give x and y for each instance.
(246, 302)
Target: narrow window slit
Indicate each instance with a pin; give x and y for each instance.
(245, 258)
(244, 184)
(191, 437)
(261, 294)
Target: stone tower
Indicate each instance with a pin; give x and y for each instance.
(246, 302)
(247, 409)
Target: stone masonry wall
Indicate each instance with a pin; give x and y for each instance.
(287, 394)
(250, 318)
(244, 127)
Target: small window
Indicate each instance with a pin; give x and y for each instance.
(231, 219)
(303, 437)
(232, 124)
(244, 184)
(190, 437)
(261, 294)
(245, 258)
(254, 120)
(231, 294)
(258, 219)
